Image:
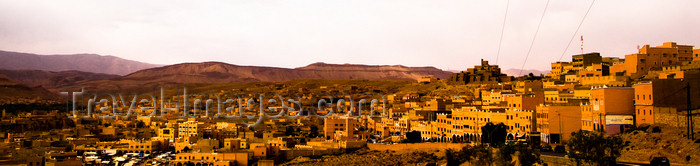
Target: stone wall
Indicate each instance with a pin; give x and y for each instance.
(670, 116)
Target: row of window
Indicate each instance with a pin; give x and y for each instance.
(644, 97)
(643, 112)
(192, 158)
(139, 146)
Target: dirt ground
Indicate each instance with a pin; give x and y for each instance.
(670, 142)
(380, 154)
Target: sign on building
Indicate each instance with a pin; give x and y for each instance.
(619, 120)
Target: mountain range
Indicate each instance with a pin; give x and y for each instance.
(516, 72)
(81, 62)
(49, 72)
(218, 72)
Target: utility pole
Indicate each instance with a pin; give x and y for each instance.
(561, 135)
(691, 133)
(477, 124)
(581, 44)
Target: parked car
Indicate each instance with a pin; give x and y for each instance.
(546, 148)
(660, 161)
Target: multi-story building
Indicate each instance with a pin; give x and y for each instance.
(609, 80)
(595, 70)
(556, 122)
(554, 96)
(610, 103)
(437, 105)
(660, 100)
(190, 129)
(213, 159)
(465, 123)
(527, 86)
(587, 116)
(167, 133)
(520, 122)
(525, 102)
(559, 69)
(653, 58)
(141, 146)
(581, 61)
(491, 97)
(343, 126)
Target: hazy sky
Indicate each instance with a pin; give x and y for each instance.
(446, 34)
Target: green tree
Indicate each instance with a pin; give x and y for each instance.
(494, 134)
(505, 154)
(413, 137)
(140, 124)
(452, 157)
(527, 155)
(313, 131)
(476, 155)
(594, 148)
(289, 131)
(483, 154)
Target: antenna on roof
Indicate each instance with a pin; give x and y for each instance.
(581, 44)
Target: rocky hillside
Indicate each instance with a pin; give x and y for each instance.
(647, 142)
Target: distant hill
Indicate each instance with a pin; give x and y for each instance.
(223, 72)
(369, 72)
(81, 62)
(514, 72)
(11, 90)
(51, 79)
(455, 71)
(218, 72)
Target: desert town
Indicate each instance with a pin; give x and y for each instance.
(657, 86)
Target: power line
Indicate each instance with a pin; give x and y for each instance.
(577, 28)
(502, 30)
(534, 37)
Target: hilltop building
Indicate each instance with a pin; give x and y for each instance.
(480, 74)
